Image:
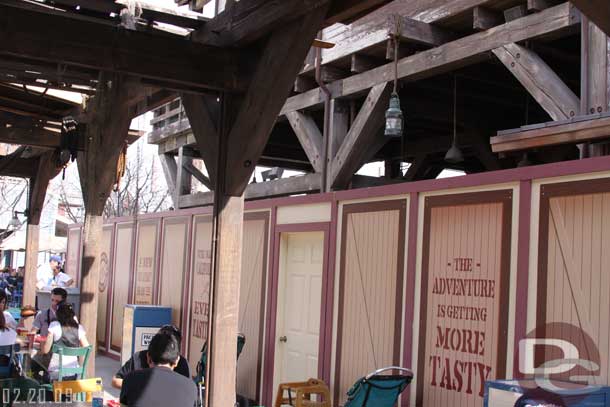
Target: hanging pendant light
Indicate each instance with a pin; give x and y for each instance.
(454, 155)
(394, 118)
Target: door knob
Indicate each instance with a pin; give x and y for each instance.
(283, 339)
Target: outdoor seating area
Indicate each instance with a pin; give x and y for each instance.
(305, 203)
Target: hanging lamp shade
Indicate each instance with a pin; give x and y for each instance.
(454, 155)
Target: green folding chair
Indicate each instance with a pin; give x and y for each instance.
(78, 352)
(379, 390)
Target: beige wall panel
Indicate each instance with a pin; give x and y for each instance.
(251, 313)
(105, 280)
(310, 213)
(173, 267)
(200, 287)
(120, 287)
(146, 263)
(578, 254)
(73, 255)
(465, 300)
(368, 338)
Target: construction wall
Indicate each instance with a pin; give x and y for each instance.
(444, 277)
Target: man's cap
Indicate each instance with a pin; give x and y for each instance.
(55, 258)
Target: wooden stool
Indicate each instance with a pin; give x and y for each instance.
(303, 392)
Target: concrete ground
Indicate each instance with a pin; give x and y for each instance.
(106, 368)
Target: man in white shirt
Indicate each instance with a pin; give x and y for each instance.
(44, 274)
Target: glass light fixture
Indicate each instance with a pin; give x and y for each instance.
(14, 223)
(394, 117)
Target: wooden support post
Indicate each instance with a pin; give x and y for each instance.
(170, 171)
(364, 132)
(239, 147)
(31, 264)
(46, 171)
(105, 136)
(183, 177)
(594, 90)
(540, 80)
(309, 136)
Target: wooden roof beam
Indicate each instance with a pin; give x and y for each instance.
(372, 29)
(447, 57)
(598, 11)
(280, 187)
(250, 20)
(587, 128)
(540, 80)
(167, 59)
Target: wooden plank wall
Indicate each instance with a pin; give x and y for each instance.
(465, 269)
(174, 265)
(146, 263)
(252, 302)
(123, 249)
(201, 261)
(370, 305)
(73, 254)
(104, 285)
(573, 253)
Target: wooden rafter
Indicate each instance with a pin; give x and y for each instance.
(280, 187)
(540, 81)
(309, 136)
(461, 52)
(200, 110)
(364, 132)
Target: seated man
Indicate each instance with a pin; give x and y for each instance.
(159, 386)
(140, 360)
(45, 317)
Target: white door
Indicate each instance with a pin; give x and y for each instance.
(299, 306)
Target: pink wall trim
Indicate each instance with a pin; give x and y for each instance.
(523, 257)
(407, 355)
(272, 303)
(487, 178)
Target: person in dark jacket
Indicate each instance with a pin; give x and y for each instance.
(139, 360)
(160, 385)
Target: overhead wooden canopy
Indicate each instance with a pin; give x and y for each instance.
(166, 60)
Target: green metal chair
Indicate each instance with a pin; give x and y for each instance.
(23, 390)
(377, 390)
(78, 352)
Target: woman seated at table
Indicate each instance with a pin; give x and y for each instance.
(67, 333)
(8, 335)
